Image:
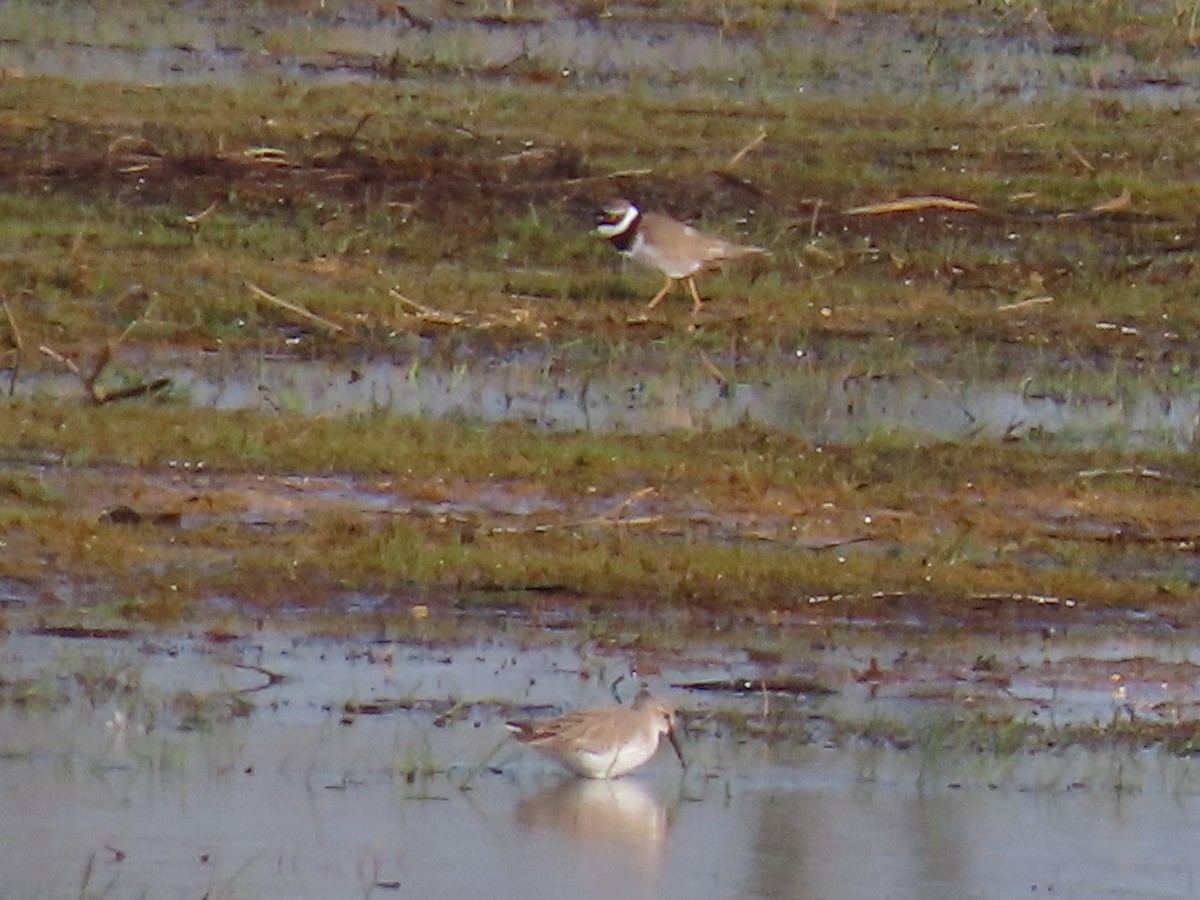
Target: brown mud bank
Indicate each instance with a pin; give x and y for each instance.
(965, 372)
(213, 511)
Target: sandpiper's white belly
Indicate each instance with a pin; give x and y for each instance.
(612, 762)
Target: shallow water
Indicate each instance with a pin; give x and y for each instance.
(780, 834)
(826, 402)
(297, 798)
(898, 55)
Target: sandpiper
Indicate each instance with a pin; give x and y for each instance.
(604, 741)
(676, 249)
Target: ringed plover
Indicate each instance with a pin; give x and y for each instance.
(676, 249)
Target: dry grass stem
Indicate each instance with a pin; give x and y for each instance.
(1116, 204)
(427, 313)
(96, 392)
(1137, 472)
(1080, 158)
(913, 204)
(619, 510)
(1023, 304)
(194, 218)
(713, 368)
(270, 156)
(18, 347)
(349, 139)
(609, 176)
(753, 145)
(294, 309)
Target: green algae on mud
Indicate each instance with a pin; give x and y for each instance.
(156, 206)
(157, 512)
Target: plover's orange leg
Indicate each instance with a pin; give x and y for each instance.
(695, 295)
(658, 297)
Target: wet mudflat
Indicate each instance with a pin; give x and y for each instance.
(331, 439)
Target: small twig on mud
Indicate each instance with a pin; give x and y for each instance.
(1032, 126)
(713, 369)
(293, 308)
(58, 357)
(143, 146)
(428, 313)
(270, 156)
(138, 390)
(603, 521)
(1021, 304)
(96, 392)
(501, 67)
(639, 521)
(134, 324)
(1123, 536)
(273, 678)
(137, 158)
(618, 511)
(194, 219)
(349, 139)
(1037, 599)
(1138, 472)
(1116, 204)
(536, 154)
(413, 20)
(951, 396)
(625, 173)
(1080, 158)
(749, 148)
(18, 346)
(913, 204)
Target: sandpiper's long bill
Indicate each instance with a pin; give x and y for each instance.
(604, 741)
(676, 249)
